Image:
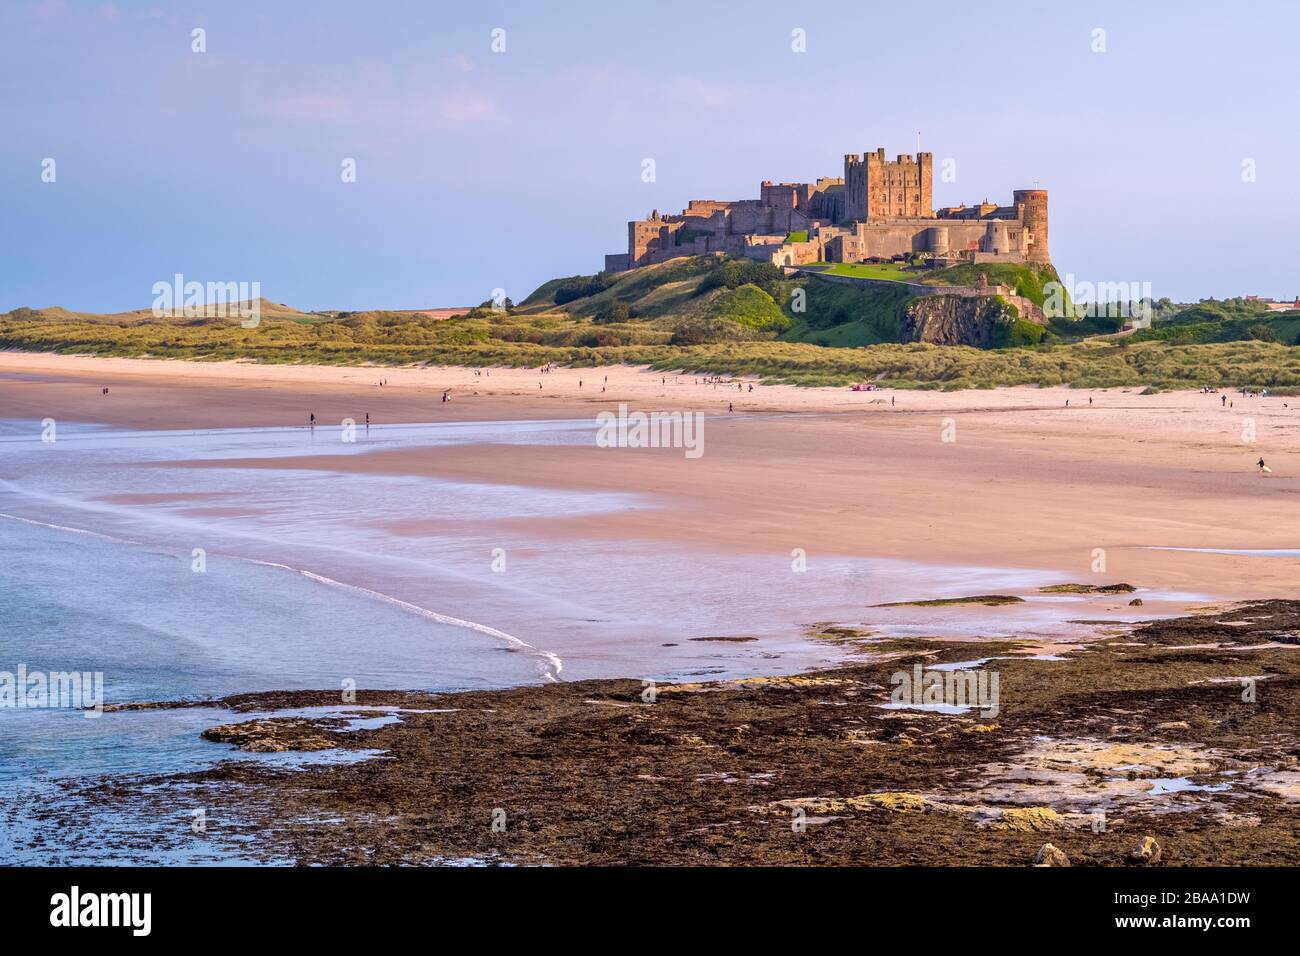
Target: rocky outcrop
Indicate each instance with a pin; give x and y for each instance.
(956, 320)
(275, 735)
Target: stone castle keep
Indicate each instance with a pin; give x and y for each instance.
(879, 209)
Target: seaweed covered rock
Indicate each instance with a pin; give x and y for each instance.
(272, 736)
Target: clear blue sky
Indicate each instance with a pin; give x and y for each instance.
(479, 170)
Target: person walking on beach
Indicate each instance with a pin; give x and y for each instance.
(1223, 401)
(730, 408)
(367, 419)
(1263, 468)
(312, 420)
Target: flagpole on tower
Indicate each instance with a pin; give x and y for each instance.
(918, 142)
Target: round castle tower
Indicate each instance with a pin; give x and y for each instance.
(1032, 204)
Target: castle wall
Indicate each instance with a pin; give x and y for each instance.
(899, 237)
(785, 253)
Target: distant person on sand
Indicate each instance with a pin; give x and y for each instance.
(312, 420)
(1263, 468)
(367, 419)
(730, 407)
(1223, 400)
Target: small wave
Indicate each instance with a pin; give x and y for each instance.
(551, 663)
(62, 527)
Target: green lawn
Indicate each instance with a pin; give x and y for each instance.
(799, 235)
(864, 270)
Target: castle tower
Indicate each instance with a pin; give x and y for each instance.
(876, 189)
(855, 186)
(1031, 205)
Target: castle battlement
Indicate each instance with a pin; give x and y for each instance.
(879, 209)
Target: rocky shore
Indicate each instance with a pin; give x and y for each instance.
(1171, 743)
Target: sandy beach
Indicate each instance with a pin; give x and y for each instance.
(1026, 480)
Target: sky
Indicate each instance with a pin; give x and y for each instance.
(1166, 133)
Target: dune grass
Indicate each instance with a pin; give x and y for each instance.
(525, 340)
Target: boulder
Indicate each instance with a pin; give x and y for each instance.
(1049, 855)
(1147, 852)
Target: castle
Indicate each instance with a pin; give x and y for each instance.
(879, 209)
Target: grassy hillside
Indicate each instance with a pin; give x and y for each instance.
(268, 310)
(841, 315)
(1231, 320)
(523, 340)
(1025, 279)
(715, 316)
